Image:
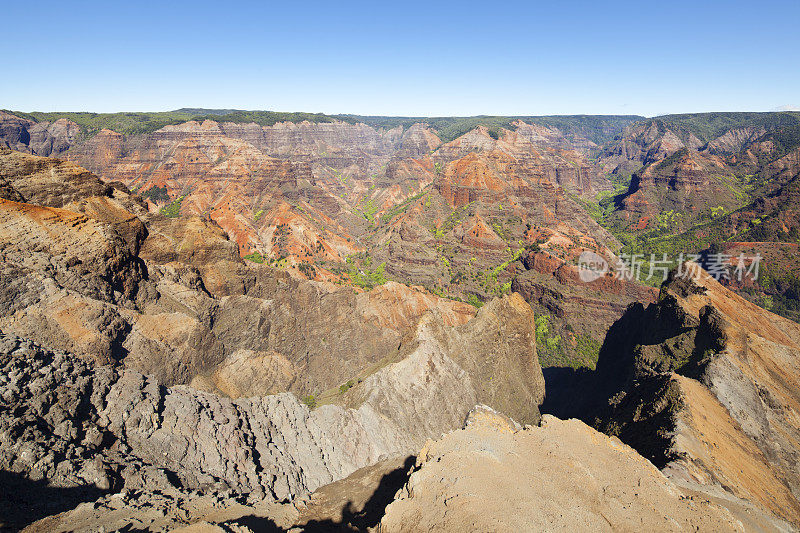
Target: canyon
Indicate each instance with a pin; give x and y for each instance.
(357, 323)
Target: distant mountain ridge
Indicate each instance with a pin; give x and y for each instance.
(705, 126)
(595, 127)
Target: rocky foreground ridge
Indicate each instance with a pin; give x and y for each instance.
(705, 385)
(76, 426)
(495, 476)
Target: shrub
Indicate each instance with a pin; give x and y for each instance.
(173, 209)
(158, 195)
(310, 400)
(255, 257)
(474, 301)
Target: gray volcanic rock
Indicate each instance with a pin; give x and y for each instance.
(78, 426)
(86, 256)
(64, 421)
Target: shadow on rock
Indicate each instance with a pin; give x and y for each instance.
(24, 501)
(352, 518)
(568, 391)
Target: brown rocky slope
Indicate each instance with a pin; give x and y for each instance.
(704, 384)
(495, 476)
(98, 429)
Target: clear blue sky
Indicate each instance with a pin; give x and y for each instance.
(402, 57)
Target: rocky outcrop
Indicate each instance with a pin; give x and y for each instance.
(53, 183)
(704, 383)
(735, 140)
(14, 131)
(418, 141)
(675, 193)
(494, 476)
(644, 143)
(484, 366)
(74, 425)
(87, 256)
(67, 422)
(580, 312)
(40, 138)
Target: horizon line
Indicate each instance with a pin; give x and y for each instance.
(225, 111)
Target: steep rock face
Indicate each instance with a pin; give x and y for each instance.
(493, 178)
(735, 140)
(498, 369)
(334, 201)
(206, 441)
(774, 215)
(200, 243)
(354, 148)
(771, 212)
(73, 234)
(14, 131)
(86, 255)
(531, 151)
(52, 139)
(50, 182)
(703, 381)
(493, 476)
(393, 305)
(99, 151)
(418, 141)
(677, 191)
(476, 247)
(579, 312)
(544, 137)
(645, 143)
(503, 366)
(78, 426)
(307, 139)
(86, 292)
(40, 138)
